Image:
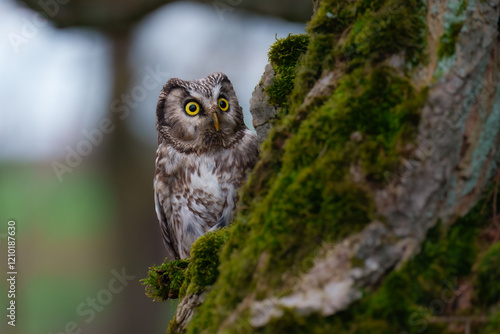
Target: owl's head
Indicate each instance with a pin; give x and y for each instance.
(199, 115)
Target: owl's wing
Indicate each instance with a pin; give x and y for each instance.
(172, 254)
(222, 222)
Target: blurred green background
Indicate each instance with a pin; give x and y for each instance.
(93, 61)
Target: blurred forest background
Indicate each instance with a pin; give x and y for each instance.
(81, 216)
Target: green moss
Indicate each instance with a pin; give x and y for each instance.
(333, 17)
(173, 327)
(292, 323)
(178, 277)
(493, 326)
(285, 52)
(463, 6)
(379, 104)
(449, 40)
(488, 277)
(393, 29)
(165, 281)
(375, 30)
(453, 23)
(284, 57)
(203, 269)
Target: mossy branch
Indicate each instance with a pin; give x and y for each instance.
(176, 278)
(164, 281)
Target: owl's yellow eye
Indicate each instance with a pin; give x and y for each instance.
(192, 108)
(223, 104)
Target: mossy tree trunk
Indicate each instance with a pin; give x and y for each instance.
(373, 208)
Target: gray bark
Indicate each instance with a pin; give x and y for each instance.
(263, 113)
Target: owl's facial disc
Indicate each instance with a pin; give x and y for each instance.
(192, 108)
(200, 115)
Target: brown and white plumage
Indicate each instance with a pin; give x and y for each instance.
(201, 161)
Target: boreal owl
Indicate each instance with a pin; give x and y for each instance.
(204, 153)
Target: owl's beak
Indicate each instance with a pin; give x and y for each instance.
(216, 121)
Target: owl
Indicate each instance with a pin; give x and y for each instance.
(204, 153)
